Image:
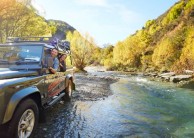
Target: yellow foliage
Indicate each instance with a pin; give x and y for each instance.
(164, 53)
(128, 52)
(82, 49)
(189, 5)
(20, 19)
(174, 13)
(187, 56)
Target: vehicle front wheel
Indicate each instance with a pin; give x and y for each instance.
(68, 91)
(25, 120)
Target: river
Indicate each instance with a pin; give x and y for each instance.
(138, 108)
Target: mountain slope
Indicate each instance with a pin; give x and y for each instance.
(61, 28)
(164, 43)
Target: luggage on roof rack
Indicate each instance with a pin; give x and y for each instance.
(61, 45)
(28, 39)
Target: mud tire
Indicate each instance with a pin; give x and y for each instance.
(26, 109)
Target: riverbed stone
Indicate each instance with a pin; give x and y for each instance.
(166, 76)
(179, 78)
(190, 72)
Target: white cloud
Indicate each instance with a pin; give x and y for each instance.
(100, 22)
(111, 12)
(105, 20)
(39, 8)
(124, 14)
(101, 3)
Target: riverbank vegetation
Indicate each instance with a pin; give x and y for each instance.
(21, 19)
(162, 44)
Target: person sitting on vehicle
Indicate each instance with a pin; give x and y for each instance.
(55, 62)
(62, 62)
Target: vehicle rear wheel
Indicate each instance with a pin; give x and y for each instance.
(25, 120)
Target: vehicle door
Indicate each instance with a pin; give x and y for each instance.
(54, 83)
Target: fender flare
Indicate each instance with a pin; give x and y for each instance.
(15, 100)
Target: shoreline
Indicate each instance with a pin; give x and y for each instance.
(92, 88)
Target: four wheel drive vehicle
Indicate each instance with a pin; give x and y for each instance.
(27, 87)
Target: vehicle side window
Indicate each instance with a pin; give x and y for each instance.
(50, 60)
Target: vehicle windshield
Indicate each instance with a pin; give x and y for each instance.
(10, 54)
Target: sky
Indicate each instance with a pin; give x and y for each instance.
(107, 21)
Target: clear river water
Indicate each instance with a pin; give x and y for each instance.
(138, 108)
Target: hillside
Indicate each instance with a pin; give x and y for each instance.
(62, 28)
(20, 18)
(165, 43)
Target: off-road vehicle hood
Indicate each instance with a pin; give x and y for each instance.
(9, 74)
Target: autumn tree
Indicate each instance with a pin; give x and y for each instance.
(83, 49)
(106, 56)
(19, 18)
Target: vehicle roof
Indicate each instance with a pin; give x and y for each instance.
(48, 42)
(31, 43)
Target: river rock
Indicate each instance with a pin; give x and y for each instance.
(166, 76)
(152, 74)
(179, 78)
(188, 71)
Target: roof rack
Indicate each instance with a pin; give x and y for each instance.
(28, 39)
(61, 45)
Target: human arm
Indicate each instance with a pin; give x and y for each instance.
(55, 66)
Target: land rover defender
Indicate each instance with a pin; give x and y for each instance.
(26, 85)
